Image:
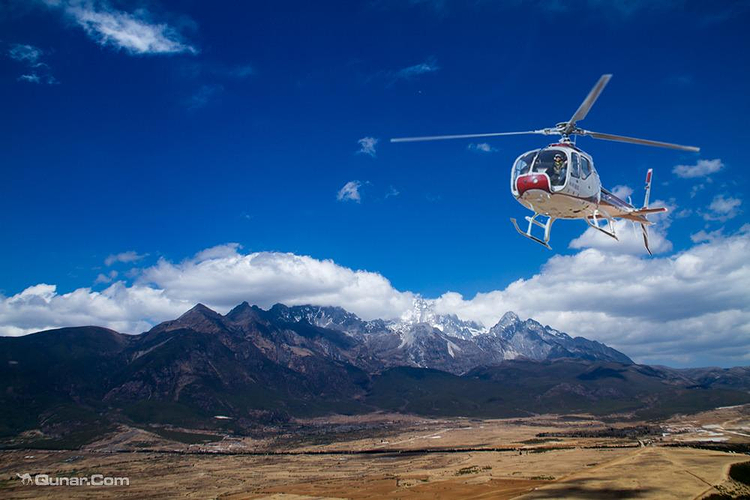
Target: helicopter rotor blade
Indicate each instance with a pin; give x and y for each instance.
(585, 106)
(467, 136)
(633, 140)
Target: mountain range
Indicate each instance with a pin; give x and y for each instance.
(254, 367)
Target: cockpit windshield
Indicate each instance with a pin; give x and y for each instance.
(523, 164)
(554, 163)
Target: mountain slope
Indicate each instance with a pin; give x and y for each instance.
(257, 367)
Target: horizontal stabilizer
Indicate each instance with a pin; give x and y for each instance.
(646, 211)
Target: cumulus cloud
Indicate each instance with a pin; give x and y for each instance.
(220, 277)
(723, 208)
(126, 257)
(136, 33)
(704, 235)
(126, 309)
(482, 147)
(350, 192)
(367, 146)
(106, 278)
(702, 168)
(691, 307)
(622, 192)
(225, 277)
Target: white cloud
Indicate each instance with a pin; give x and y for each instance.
(30, 56)
(482, 147)
(622, 192)
(702, 168)
(220, 277)
(392, 191)
(228, 277)
(704, 235)
(350, 192)
(35, 78)
(410, 72)
(367, 146)
(125, 309)
(106, 278)
(32, 78)
(691, 306)
(25, 53)
(130, 256)
(136, 33)
(723, 208)
(688, 307)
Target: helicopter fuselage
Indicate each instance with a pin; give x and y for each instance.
(558, 181)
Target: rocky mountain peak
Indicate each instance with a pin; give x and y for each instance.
(242, 313)
(421, 312)
(199, 318)
(197, 311)
(509, 318)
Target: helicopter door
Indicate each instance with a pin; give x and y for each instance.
(585, 167)
(574, 167)
(554, 163)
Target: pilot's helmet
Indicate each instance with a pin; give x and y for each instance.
(558, 158)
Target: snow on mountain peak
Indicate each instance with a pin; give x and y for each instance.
(423, 312)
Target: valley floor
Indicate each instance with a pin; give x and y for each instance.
(393, 456)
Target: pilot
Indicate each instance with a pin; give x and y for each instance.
(558, 169)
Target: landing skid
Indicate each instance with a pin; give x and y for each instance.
(547, 226)
(608, 229)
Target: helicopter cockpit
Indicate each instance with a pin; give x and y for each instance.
(554, 162)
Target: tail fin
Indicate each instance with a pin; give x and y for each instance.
(644, 229)
(645, 207)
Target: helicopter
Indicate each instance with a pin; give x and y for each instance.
(560, 182)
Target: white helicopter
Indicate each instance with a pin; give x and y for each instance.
(560, 181)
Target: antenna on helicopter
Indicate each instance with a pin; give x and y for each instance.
(565, 129)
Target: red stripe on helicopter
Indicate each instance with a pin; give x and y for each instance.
(648, 176)
(532, 181)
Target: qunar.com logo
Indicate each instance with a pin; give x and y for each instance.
(92, 480)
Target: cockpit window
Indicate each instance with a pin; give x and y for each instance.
(523, 164)
(585, 167)
(554, 163)
(574, 166)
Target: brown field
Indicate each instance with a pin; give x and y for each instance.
(396, 456)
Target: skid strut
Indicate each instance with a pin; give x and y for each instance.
(546, 226)
(608, 229)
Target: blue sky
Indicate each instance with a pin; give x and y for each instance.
(164, 129)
